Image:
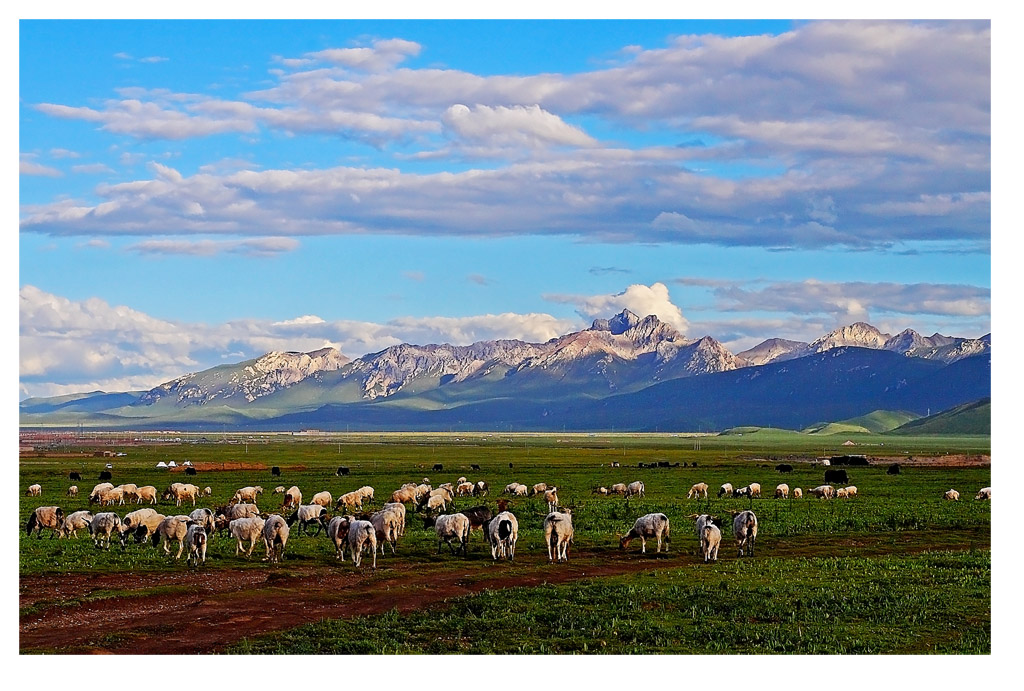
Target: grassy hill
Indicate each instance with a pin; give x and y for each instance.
(969, 418)
(873, 423)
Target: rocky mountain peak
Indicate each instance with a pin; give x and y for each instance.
(857, 334)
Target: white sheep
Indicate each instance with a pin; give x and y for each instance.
(398, 509)
(79, 520)
(278, 490)
(538, 488)
(98, 490)
(146, 494)
(502, 533)
(635, 489)
(247, 495)
(102, 526)
(114, 495)
(558, 533)
(242, 529)
(985, 494)
(366, 492)
(143, 521)
(782, 491)
(386, 523)
(710, 539)
(207, 492)
(51, 517)
(510, 488)
(337, 533)
(292, 497)
(73, 491)
(744, 528)
(841, 493)
(322, 499)
(435, 502)
(798, 493)
(275, 537)
(851, 491)
(464, 489)
(233, 511)
(362, 534)
(651, 526)
(521, 491)
(172, 528)
(951, 495)
(309, 514)
(34, 490)
(130, 492)
(454, 526)
(755, 489)
(700, 489)
(350, 501)
(195, 538)
(725, 490)
(205, 518)
(618, 488)
(180, 492)
(551, 497)
(823, 492)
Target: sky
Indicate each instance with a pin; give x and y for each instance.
(194, 193)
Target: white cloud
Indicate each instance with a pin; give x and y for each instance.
(26, 166)
(638, 298)
(252, 247)
(502, 126)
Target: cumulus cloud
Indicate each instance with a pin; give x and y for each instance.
(381, 55)
(27, 166)
(251, 247)
(638, 298)
(529, 126)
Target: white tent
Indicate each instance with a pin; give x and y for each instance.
(161, 464)
(172, 464)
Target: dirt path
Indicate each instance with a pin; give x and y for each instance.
(202, 612)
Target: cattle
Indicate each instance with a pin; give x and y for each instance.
(105, 475)
(342, 470)
(74, 475)
(474, 466)
(784, 468)
(191, 471)
(275, 471)
(837, 475)
(438, 467)
(894, 469)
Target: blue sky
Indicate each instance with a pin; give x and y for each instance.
(196, 192)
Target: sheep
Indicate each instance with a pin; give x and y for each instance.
(172, 528)
(421, 489)
(79, 520)
(403, 495)
(502, 532)
(102, 526)
(98, 490)
(309, 514)
(292, 497)
(464, 489)
(985, 494)
(478, 517)
(703, 520)
(143, 522)
(510, 488)
(700, 489)
(617, 488)
(538, 488)
(851, 491)
(362, 534)
(195, 538)
(798, 493)
(278, 490)
(386, 524)
(710, 539)
(453, 526)
(841, 493)
(653, 525)
(51, 517)
(558, 533)
(247, 495)
(434, 502)
(73, 491)
(180, 492)
(725, 490)
(205, 518)
(744, 528)
(603, 491)
(742, 492)
(782, 491)
(350, 501)
(398, 509)
(551, 497)
(823, 492)
(337, 533)
(480, 489)
(951, 495)
(114, 495)
(242, 529)
(130, 492)
(275, 537)
(635, 489)
(322, 498)
(233, 511)
(521, 491)
(755, 489)
(207, 491)
(144, 494)
(34, 491)
(365, 493)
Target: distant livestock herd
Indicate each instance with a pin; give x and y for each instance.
(355, 531)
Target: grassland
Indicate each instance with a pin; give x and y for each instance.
(895, 570)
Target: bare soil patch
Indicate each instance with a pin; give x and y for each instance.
(952, 460)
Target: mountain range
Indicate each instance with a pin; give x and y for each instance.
(625, 372)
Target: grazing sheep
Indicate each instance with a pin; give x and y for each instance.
(798, 493)
(322, 498)
(73, 491)
(742, 492)
(247, 495)
(275, 537)
(180, 492)
(403, 495)
(386, 523)
(146, 494)
(710, 539)
(510, 488)
(243, 529)
(635, 489)
(205, 518)
(985, 494)
(851, 491)
(292, 497)
(480, 489)
(744, 528)
(951, 495)
(755, 489)
(454, 526)
(538, 488)
(130, 492)
(79, 520)
(551, 497)
(464, 489)
(114, 495)
(362, 534)
(651, 526)
(278, 490)
(782, 491)
(98, 490)
(841, 493)
(558, 533)
(350, 502)
(700, 489)
(337, 533)
(309, 514)
(726, 490)
(398, 509)
(233, 511)
(704, 520)
(603, 491)
(617, 488)
(478, 517)
(102, 526)
(34, 490)
(365, 493)
(172, 528)
(502, 532)
(823, 492)
(434, 502)
(143, 522)
(195, 538)
(207, 492)
(51, 517)
(521, 491)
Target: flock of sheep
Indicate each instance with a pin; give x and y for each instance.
(356, 531)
